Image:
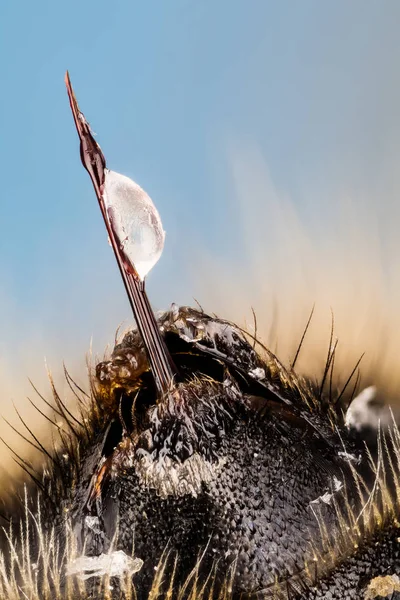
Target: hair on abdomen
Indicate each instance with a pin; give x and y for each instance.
(333, 267)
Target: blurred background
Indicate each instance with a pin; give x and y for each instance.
(267, 134)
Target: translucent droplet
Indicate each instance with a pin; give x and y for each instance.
(135, 221)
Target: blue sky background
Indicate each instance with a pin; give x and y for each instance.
(174, 88)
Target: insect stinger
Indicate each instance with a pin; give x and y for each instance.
(136, 236)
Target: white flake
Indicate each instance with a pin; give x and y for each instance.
(257, 373)
(359, 412)
(326, 498)
(115, 564)
(349, 457)
(93, 523)
(337, 484)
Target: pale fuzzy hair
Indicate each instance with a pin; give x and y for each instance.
(282, 257)
(37, 572)
(287, 259)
